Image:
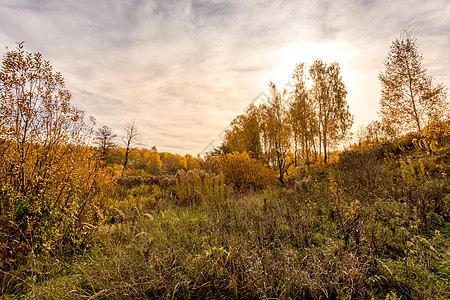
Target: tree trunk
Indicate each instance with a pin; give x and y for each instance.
(281, 166)
(125, 161)
(325, 154)
(281, 170)
(306, 152)
(295, 150)
(413, 102)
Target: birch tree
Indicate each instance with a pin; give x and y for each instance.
(244, 133)
(409, 99)
(301, 115)
(329, 97)
(276, 130)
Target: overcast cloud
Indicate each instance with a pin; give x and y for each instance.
(184, 69)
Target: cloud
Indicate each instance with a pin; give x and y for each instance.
(183, 69)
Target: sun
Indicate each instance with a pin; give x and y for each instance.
(290, 56)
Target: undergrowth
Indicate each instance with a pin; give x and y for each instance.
(373, 225)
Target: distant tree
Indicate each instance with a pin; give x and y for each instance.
(360, 135)
(192, 163)
(224, 148)
(374, 132)
(171, 163)
(154, 162)
(409, 99)
(234, 136)
(145, 161)
(329, 97)
(129, 140)
(105, 140)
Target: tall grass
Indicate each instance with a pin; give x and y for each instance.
(341, 233)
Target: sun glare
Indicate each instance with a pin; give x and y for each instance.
(290, 56)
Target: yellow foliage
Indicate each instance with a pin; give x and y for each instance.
(50, 178)
(243, 172)
(438, 132)
(391, 296)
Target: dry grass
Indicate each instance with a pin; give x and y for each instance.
(325, 237)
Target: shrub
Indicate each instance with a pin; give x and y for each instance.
(438, 133)
(56, 219)
(243, 172)
(362, 170)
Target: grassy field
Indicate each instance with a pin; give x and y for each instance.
(375, 225)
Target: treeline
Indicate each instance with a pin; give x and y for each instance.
(298, 126)
(125, 156)
(295, 126)
(140, 161)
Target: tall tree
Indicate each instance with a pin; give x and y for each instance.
(276, 130)
(244, 133)
(409, 99)
(105, 140)
(301, 115)
(329, 96)
(130, 140)
(38, 124)
(48, 172)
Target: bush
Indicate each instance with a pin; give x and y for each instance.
(58, 219)
(363, 171)
(243, 172)
(438, 133)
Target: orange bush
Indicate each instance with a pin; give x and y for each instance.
(243, 172)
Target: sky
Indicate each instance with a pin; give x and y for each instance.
(182, 70)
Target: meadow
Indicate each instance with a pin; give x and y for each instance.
(372, 225)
